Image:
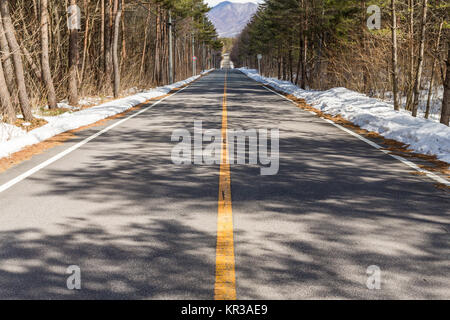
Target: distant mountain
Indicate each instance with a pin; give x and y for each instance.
(230, 18)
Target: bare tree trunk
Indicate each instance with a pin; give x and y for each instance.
(394, 56)
(409, 93)
(278, 63)
(102, 34)
(58, 35)
(7, 109)
(157, 48)
(420, 59)
(305, 46)
(299, 61)
(445, 111)
(73, 63)
(291, 71)
(433, 68)
(17, 60)
(144, 46)
(7, 61)
(45, 64)
(34, 67)
(124, 41)
(86, 39)
(115, 49)
(35, 9)
(108, 53)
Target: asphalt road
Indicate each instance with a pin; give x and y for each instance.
(141, 227)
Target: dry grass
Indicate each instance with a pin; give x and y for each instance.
(35, 123)
(418, 173)
(442, 186)
(53, 112)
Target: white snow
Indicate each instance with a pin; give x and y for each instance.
(13, 139)
(8, 132)
(435, 102)
(422, 135)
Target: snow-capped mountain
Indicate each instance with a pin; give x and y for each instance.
(230, 18)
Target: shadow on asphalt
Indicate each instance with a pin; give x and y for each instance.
(340, 205)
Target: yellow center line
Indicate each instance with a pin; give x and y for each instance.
(225, 286)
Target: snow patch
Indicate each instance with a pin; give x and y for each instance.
(8, 132)
(422, 135)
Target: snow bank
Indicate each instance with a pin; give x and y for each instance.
(14, 139)
(435, 102)
(422, 135)
(8, 132)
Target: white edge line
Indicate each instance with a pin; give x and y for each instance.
(376, 146)
(55, 158)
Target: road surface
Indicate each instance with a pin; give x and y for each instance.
(141, 227)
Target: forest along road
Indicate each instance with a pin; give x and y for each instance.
(139, 226)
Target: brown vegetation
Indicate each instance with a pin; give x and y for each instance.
(120, 44)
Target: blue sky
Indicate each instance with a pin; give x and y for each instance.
(212, 3)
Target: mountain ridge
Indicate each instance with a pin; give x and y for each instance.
(230, 18)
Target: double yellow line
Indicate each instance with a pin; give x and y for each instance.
(225, 285)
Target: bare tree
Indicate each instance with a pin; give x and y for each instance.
(8, 66)
(7, 109)
(304, 48)
(418, 77)
(17, 60)
(107, 42)
(410, 86)
(394, 56)
(433, 68)
(144, 45)
(46, 73)
(116, 65)
(73, 63)
(445, 111)
(102, 33)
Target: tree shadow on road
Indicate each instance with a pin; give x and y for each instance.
(146, 227)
